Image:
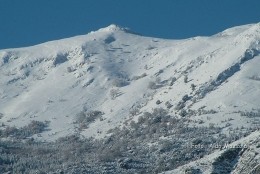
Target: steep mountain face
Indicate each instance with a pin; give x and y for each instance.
(113, 78)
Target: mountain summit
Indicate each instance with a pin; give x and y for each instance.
(114, 27)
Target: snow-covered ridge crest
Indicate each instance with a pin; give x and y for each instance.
(249, 28)
(113, 28)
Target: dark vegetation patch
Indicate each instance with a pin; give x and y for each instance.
(156, 142)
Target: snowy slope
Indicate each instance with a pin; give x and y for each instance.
(246, 160)
(110, 70)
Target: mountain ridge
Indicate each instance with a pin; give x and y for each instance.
(138, 95)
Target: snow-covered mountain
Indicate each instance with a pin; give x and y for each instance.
(112, 77)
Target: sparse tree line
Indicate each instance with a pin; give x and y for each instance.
(156, 142)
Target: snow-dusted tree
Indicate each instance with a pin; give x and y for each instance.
(114, 93)
(185, 79)
(152, 85)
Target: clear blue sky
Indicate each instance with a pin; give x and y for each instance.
(29, 22)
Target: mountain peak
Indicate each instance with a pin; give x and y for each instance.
(114, 27)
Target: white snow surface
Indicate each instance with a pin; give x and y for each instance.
(56, 80)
